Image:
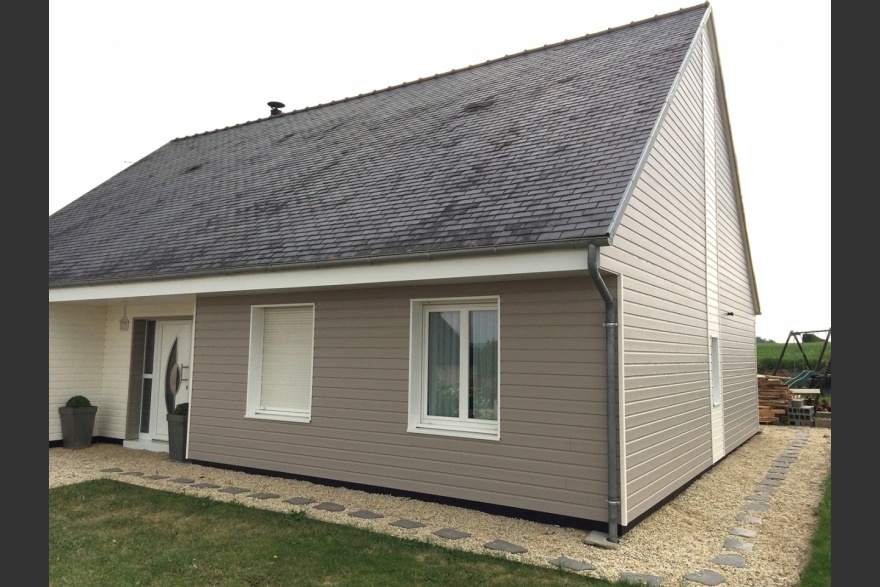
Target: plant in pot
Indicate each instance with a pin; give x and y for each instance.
(77, 422)
(177, 422)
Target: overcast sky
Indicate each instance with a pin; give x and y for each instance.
(127, 77)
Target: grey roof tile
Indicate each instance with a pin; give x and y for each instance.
(533, 148)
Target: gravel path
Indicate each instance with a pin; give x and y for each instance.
(680, 538)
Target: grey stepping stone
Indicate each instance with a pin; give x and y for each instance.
(772, 475)
(156, 477)
(329, 506)
(730, 560)
(133, 474)
(652, 580)
(112, 470)
(706, 577)
(755, 507)
(738, 545)
(451, 533)
(765, 489)
(744, 532)
(771, 482)
(365, 514)
(183, 480)
(505, 546)
(778, 470)
(410, 524)
(570, 563)
(299, 500)
(748, 518)
(763, 498)
(234, 490)
(206, 486)
(263, 495)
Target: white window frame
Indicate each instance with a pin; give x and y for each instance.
(419, 422)
(255, 368)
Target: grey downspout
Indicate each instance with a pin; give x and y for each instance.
(611, 378)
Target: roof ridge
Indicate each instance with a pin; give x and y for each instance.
(634, 23)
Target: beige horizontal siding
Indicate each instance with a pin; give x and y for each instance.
(739, 364)
(660, 248)
(76, 355)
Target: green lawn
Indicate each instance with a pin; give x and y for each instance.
(104, 532)
(818, 570)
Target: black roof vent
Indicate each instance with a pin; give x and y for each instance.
(276, 108)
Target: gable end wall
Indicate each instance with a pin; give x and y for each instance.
(660, 248)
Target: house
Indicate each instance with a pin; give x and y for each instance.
(523, 284)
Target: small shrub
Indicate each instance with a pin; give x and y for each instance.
(181, 409)
(79, 401)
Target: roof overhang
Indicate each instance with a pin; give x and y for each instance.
(533, 261)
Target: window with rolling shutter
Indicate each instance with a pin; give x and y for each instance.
(280, 364)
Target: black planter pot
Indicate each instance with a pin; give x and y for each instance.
(177, 437)
(77, 426)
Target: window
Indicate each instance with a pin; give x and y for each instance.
(454, 366)
(715, 371)
(280, 363)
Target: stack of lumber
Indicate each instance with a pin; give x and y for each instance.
(774, 398)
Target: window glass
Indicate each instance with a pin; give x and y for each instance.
(444, 364)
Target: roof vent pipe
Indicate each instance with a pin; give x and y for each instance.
(611, 392)
(276, 108)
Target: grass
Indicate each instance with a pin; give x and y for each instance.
(818, 570)
(105, 532)
(768, 355)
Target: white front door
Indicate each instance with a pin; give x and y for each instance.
(171, 367)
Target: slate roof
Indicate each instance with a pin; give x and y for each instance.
(535, 148)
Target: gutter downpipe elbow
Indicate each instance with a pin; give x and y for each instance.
(611, 327)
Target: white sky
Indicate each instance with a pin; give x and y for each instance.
(127, 77)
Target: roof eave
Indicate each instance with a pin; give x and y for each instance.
(423, 256)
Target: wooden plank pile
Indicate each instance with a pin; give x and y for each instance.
(774, 398)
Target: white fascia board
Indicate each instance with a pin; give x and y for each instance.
(528, 264)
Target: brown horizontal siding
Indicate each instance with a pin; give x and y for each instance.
(552, 453)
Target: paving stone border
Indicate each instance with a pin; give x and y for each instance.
(409, 524)
(756, 503)
(299, 500)
(570, 563)
(505, 546)
(366, 515)
(451, 534)
(706, 577)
